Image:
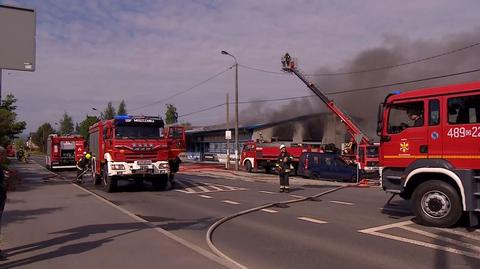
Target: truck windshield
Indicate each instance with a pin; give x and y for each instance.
(132, 132)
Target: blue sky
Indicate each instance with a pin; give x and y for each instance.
(92, 52)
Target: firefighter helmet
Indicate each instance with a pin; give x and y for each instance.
(88, 156)
(282, 146)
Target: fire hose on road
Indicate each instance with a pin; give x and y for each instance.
(241, 213)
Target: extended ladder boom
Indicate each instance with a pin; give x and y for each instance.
(353, 128)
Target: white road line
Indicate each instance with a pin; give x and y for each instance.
(472, 235)
(422, 244)
(212, 186)
(170, 235)
(387, 226)
(269, 210)
(312, 220)
(203, 189)
(206, 196)
(442, 238)
(267, 192)
(340, 202)
(395, 210)
(297, 196)
(230, 202)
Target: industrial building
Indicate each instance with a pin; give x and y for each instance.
(209, 143)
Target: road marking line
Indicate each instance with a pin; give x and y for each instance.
(387, 226)
(203, 189)
(442, 238)
(231, 202)
(269, 210)
(340, 202)
(297, 196)
(267, 192)
(395, 210)
(170, 235)
(212, 186)
(312, 220)
(206, 196)
(419, 243)
(471, 235)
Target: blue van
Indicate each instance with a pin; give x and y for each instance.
(318, 165)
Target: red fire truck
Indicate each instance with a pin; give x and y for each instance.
(264, 155)
(134, 148)
(63, 151)
(430, 151)
(366, 153)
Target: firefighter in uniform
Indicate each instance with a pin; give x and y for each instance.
(284, 167)
(83, 165)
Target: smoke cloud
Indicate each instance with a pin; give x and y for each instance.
(363, 105)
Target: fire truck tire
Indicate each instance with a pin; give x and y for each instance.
(160, 183)
(248, 166)
(436, 203)
(109, 183)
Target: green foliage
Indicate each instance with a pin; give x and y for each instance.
(39, 138)
(122, 108)
(9, 126)
(85, 124)
(77, 128)
(66, 125)
(171, 115)
(109, 112)
(19, 143)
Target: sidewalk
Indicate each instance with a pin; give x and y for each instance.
(52, 224)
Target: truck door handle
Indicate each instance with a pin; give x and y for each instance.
(423, 148)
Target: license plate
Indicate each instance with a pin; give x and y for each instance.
(144, 162)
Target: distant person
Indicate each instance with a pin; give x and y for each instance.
(3, 198)
(284, 167)
(416, 117)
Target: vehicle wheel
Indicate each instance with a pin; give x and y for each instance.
(436, 203)
(97, 179)
(268, 169)
(160, 183)
(315, 175)
(353, 179)
(248, 166)
(109, 183)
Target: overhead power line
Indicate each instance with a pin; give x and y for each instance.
(370, 69)
(184, 91)
(337, 92)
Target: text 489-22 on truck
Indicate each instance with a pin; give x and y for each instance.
(134, 148)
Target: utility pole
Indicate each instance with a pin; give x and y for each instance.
(237, 148)
(227, 165)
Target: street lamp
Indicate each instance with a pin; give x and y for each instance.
(237, 149)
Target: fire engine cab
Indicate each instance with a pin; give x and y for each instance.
(134, 148)
(63, 151)
(430, 151)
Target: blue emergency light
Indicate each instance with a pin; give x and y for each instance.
(121, 117)
(396, 92)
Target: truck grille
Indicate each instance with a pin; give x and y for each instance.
(130, 157)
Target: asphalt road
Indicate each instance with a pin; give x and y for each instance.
(350, 228)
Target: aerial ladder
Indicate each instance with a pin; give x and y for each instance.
(366, 155)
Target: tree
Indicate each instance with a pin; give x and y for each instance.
(85, 124)
(122, 108)
(77, 128)
(41, 135)
(109, 112)
(9, 126)
(66, 125)
(171, 115)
